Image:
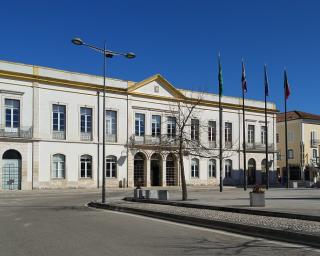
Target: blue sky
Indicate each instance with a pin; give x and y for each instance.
(178, 39)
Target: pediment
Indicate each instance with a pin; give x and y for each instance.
(155, 86)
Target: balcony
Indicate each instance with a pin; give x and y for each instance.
(148, 140)
(212, 144)
(86, 136)
(314, 143)
(111, 137)
(24, 132)
(58, 135)
(259, 147)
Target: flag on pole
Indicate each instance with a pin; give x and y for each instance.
(243, 78)
(266, 81)
(287, 91)
(220, 78)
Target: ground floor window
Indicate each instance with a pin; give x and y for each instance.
(228, 168)
(212, 168)
(58, 166)
(194, 168)
(111, 167)
(86, 166)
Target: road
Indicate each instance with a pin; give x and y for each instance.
(53, 223)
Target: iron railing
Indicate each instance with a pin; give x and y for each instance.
(24, 132)
(314, 143)
(163, 140)
(111, 137)
(259, 147)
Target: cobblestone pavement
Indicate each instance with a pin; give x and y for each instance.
(293, 225)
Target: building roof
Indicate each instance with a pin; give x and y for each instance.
(295, 115)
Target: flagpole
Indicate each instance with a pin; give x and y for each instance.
(220, 143)
(286, 128)
(243, 80)
(266, 127)
(220, 125)
(244, 145)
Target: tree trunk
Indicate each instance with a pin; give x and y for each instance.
(183, 178)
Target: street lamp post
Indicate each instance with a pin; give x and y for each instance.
(106, 54)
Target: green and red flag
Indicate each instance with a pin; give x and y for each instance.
(220, 78)
(287, 90)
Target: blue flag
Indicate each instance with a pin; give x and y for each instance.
(266, 82)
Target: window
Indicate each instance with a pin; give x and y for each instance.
(278, 156)
(314, 153)
(86, 166)
(251, 139)
(111, 167)
(263, 135)
(139, 124)
(228, 134)
(58, 166)
(194, 129)
(156, 126)
(212, 168)
(211, 131)
(313, 139)
(58, 122)
(59, 112)
(111, 125)
(86, 123)
(171, 126)
(12, 108)
(228, 168)
(194, 168)
(290, 154)
(277, 138)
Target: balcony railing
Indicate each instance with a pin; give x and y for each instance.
(259, 147)
(59, 135)
(24, 132)
(86, 136)
(111, 137)
(212, 144)
(163, 140)
(314, 143)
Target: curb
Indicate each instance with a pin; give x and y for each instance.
(229, 209)
(272, 234)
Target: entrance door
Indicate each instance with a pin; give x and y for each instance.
(11, 174)
(252, 172)
(155, 173)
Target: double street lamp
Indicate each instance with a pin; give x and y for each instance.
(106, 54)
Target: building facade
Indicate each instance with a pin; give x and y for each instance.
(51, 132)
(303, 146)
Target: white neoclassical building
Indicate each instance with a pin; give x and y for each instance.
(51, 132)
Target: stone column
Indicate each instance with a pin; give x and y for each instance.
(148, 176)
(164, 173)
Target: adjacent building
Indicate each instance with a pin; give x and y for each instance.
(303, 131)
(51, 132)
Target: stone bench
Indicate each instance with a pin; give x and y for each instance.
(151, 194)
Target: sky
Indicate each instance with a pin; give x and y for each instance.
(179, 39)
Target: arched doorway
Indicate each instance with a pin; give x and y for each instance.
(251, 171)
(11, 170)
(171, 175)
(139, 170)
(155, 169)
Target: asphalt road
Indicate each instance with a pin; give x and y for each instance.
(50, 223)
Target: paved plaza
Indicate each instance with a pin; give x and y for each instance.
(37, 223)
(301, 201)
